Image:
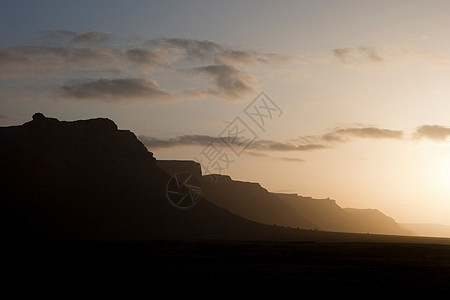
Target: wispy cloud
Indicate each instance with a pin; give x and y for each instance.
(63, 54)
(345, 134)
(305, 143)
(259, 154)
(49, 58)
(250, 57)
(194, 49)
(230, 81)
(436, 133)
(115, 89)
(204, 140)
(209, 51)
(51, 37)
(357, 55)
(67, 37)
(268, 145)
(92, 37)
(330, 139)
(386, 54)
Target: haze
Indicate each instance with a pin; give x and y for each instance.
(362, 85)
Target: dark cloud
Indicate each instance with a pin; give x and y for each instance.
(343, 135)
(229, 80)
(435, 133)
(205, 140)
(114, 90)
(91, 37)
(358, 55)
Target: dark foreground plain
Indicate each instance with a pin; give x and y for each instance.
(227, 268)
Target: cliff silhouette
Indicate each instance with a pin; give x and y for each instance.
(87, 179)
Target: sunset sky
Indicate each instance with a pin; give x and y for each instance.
(360, 89)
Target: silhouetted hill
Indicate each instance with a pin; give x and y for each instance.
(251, 201)
(89, 180)
(327, 215)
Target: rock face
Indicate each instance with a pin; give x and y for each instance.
(88, 180)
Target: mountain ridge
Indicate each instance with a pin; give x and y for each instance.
(63, 178)
(88, 180)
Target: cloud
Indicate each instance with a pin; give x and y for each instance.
(268, 145)
(205, 140)
(67, 55)
(435, 133)
(291, 159)
(194, 49)
(28, 60)
(386, 54)
(230, 81)
(358, 55)
(343, 135)
(92, 37)
(55, 58)
(346, 135)
(56, 36)
(249, 57)
(114, 90)
(205, 50)
(153, 57)
(10, 58)
(184, 140)
(71, 37)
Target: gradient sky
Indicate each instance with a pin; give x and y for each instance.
(363, 87)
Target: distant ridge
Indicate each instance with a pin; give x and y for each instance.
(251, 201)
(327, 215)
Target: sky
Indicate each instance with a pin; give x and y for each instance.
(342, 99)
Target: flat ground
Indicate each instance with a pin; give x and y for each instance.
(232, 267)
